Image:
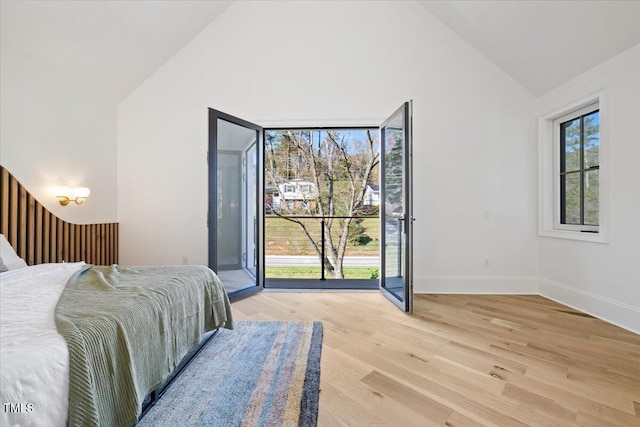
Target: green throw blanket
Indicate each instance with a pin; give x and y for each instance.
(127, 328)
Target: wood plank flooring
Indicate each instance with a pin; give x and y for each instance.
(463, 360)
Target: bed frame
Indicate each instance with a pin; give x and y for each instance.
(38, 236)
(156, 394)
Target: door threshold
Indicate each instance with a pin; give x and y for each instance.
(329, 284)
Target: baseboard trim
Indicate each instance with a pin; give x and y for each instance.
(475, 285)
(615, 312)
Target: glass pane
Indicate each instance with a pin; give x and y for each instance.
(394, 213)
(592, 197)
(571, 186)
(570, 134)
(236, 160)
(228, 216)
(592, 140)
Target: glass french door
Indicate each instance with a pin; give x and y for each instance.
(235, 199)
(396, 209)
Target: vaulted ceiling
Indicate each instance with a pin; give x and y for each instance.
(111, 47)
(543, 44)
(107, 47)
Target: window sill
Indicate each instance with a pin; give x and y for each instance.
(574, 235)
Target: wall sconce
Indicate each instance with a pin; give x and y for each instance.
(68, 194)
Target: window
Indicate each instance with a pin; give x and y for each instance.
(572, 171)
(579, 167)
(305, 189)
(289, 188)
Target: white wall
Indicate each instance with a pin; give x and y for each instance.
(310, 63)
(604, 279)
(54, 133)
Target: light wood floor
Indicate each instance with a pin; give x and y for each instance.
(463, 360)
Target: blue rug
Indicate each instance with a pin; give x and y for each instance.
(259, 374)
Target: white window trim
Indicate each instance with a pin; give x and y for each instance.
(548, 175)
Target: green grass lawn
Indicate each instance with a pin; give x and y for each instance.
(283, 237)
(311, 272)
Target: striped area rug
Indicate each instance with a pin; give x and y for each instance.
(259, 374)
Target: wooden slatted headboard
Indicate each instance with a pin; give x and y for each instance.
(40, 237)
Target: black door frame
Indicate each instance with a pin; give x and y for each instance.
(214, 115)
(406, 223)
(212, 214)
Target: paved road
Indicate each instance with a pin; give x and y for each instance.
(366, 261)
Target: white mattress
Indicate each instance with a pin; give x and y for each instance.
(34, 360)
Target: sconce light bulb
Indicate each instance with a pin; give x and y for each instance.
(81, 192)
(67, 194)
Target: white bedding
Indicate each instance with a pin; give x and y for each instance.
(34, 360)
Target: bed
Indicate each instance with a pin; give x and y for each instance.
(85, 344)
